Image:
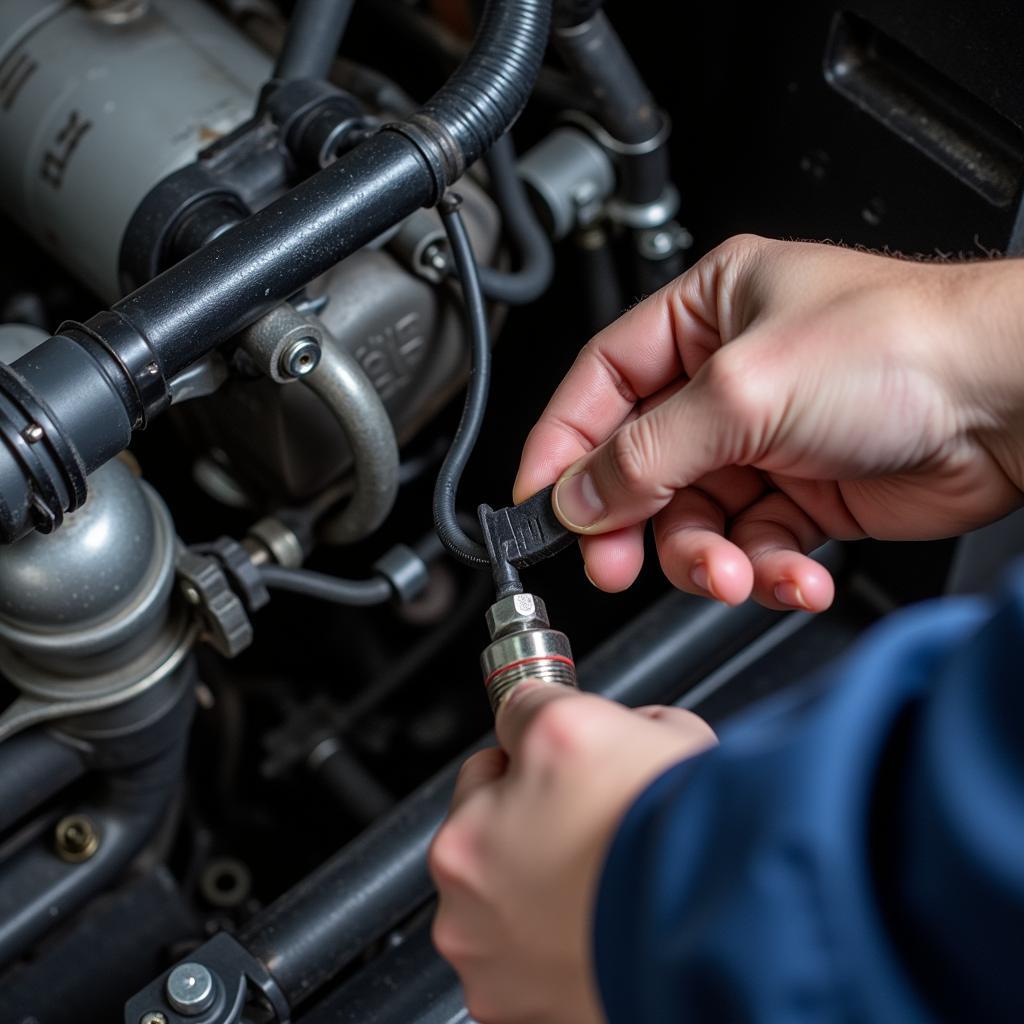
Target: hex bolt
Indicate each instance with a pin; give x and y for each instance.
(33, 433)
(302, 356)
(75, 838)
(155, 1017)
(190, 989)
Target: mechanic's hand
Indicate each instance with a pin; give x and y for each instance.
(518, 860)
(781, 393)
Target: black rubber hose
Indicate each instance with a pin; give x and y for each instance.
(356, 593)
(446, 521)
(597, 58)
(569, 13)
(312, 39)
(536, 258)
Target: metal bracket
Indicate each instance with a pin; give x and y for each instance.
(238, 979)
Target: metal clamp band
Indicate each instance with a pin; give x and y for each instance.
(614, 145)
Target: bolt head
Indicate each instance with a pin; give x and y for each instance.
(515, 614)
(33, 433)
(190, 989)
(75, 838)
(302, 356)
(191, 594)
(156, 1017)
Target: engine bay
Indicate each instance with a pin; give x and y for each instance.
(250, 280)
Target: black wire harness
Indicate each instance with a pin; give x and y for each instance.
(456, 541)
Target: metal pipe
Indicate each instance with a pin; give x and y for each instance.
(342, 385)
(312, 39)
(44, 881)
(34, 766)
(315, 929)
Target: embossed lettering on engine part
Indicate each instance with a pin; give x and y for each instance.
(391, 356)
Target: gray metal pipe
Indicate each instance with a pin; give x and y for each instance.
(342, 385)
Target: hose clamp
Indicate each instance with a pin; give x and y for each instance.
(617, 146)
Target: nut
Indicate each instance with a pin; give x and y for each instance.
(76, 838)
(515, 614)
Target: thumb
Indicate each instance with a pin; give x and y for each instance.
(519, 710)
(635, 473)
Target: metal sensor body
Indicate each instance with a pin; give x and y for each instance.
(523, 646)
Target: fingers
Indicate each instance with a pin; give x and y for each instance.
(480, 770)
(694, 553)
(775, 533)
(668, 335)
(612, 561)
(727, 415)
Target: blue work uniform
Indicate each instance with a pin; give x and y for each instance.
(853, 852)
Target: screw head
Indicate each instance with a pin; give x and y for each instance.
(191, 594)
(33, 433)
(155, 1017)
(190, 989)
(75, 838)
(302, 356)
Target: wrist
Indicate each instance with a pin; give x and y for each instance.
(983, 341)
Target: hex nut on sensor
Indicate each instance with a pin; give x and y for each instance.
(515, 613)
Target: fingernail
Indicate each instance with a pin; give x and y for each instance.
(577, 502)
(586, 572)
(700, 578)
(789, 593)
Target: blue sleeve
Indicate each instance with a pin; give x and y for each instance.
(856, 854)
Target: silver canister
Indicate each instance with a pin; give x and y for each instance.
(523, 646)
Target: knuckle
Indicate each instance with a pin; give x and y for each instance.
(738, 385)
(448, 859)
(633, 455)
(563, 730)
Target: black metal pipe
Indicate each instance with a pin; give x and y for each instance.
(315, 929)
(312, 39)
(124, 357)
(33, 767)
(40, 889)
(626, 109)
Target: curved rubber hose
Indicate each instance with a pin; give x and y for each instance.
(482, 100)
(536, 259)
(357, 593)
(342, 385)
(312, 39)
(446, 521)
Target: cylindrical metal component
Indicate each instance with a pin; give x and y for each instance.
(346, 390)
(73, 602)
(96, 113)
(190, 989)
(523, 647)
(75, 838)
(571, 175)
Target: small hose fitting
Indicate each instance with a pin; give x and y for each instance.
(523, 646)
